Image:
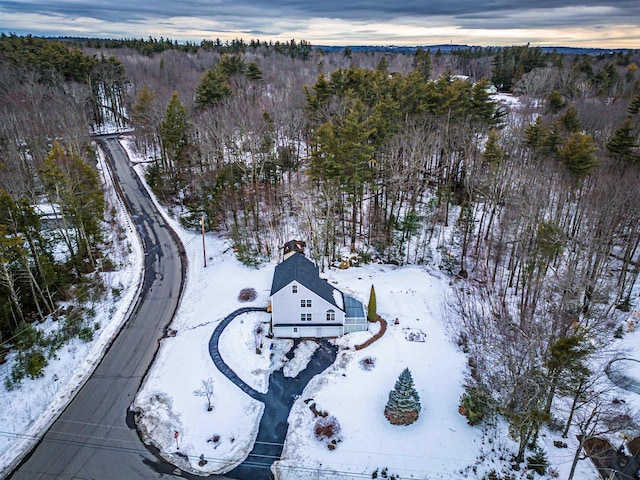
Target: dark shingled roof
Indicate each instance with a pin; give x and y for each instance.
(302, 270)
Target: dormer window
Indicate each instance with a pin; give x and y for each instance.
(294, 288)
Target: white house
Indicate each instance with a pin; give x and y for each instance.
(303, 305)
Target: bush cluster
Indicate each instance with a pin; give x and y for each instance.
(327, 429)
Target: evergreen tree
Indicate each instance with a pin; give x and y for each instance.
(383, 66)
(555, 101)
(565, 362)
(534, 134)
(75, 187)
(142, 114)
(253, 71)
(372, 314)
(570, 120)
(474, 405)
(634, 106)
(343, 151)
(624, 143)
(493, 153)
(231, 65)
(403, 406)
(213, 88)
(578, 154)
(552, 140)
(422, 63)
(174, 135)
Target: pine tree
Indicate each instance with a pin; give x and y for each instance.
(578, 154)
(624, 143)
(142, 115)
(570, 120)
(422, 63)
(403, 406)
(634, 106)
(213, 88)
(231, 65)
(493, 153)
(253, 71)
(555, 101)
(551, 141)
(174, 135)
(534, 133)
(75, 186)
(372, 314)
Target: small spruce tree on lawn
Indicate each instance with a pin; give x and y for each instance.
(372, 314)
(403, 406)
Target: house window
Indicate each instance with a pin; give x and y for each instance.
(305, 317)
(295, 329)
(294, 288)
(305, 303)
(331, 315)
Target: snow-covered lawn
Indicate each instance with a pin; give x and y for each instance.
(357, 396)
(26, 412)
(440, 445)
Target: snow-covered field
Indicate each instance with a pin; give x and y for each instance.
(26, 412)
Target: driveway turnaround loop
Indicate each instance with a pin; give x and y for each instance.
(283, 392)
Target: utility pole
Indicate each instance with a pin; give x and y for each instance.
(204, 250)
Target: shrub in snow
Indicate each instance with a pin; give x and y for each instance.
(215, 440)
(403, 406)
(538, 462)
(367, 363)
(327, 429)
(384, 474)
(473, 405)
(247, 295)
(372, 312)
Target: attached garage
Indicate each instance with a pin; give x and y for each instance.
(306, 331)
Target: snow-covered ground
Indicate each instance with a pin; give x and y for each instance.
(27, 411)
(440, 445)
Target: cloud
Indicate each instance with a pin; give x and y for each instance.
(334, 21)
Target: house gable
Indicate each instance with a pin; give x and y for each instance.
(297, 268)
(288, 308)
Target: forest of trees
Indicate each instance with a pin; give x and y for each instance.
(534, 213)
(51, 196)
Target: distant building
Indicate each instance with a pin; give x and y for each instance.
(305, 306)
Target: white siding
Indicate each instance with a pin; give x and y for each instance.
(286, 310)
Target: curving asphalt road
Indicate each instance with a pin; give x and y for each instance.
(95, 438)
(283, 392)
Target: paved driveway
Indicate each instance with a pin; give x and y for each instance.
(283, 392)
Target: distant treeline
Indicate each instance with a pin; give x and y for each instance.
(291, 48)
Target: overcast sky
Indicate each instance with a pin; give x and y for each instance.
(590, 23)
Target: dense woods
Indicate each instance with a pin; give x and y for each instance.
(534, 211)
